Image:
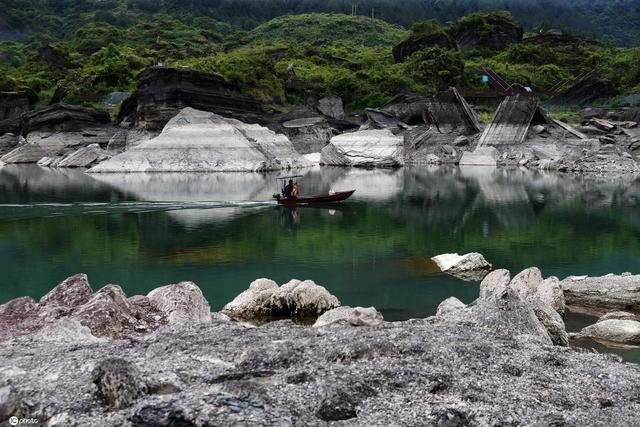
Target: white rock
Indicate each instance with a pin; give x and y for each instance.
(614, 331)
(182, 302)
(530, 284)
(198, 141)
(264, 300)
(453, 263)
(449, 305)
(358, 316)
(365, 148)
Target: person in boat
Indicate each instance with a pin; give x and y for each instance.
(288, 189)
(296, 190)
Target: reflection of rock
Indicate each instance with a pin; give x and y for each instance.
(366, 148)
(470, 266)
(374, 185)
(599, 295)
(198, 141)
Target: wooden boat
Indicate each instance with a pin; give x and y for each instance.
(319, 199)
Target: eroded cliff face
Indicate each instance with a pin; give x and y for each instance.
(200, 141)
(163, 92)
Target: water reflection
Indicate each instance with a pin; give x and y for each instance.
(223, 230)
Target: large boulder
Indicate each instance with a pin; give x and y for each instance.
(182, 302)
(357, 316)
(71, 312)
(615, 331)
(494, 284)
(71, 292)
(366, 148)
(471, 266)
(199, 141)
(505, 313)
(530, 284)
(264, 300)
(163, 92)
(600, 295)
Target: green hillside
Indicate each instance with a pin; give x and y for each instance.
(327, 29)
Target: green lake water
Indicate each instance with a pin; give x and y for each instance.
(223, 231)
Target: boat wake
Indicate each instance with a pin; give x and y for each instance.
(14, 211)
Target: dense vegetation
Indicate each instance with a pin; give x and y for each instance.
(79, 51)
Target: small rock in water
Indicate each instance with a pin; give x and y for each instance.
(463, 266)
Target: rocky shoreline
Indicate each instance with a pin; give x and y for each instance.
(197, 122)
(78, 356)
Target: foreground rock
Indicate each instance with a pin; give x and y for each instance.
(409, 373)
(265, 300)
(470, 266)
(600, 295)
(198, 141)
(365, 148)
(106, 313)
(358, 316)
(526, 304)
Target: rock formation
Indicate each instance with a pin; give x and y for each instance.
(526, 304)
(613, 331)
(265, 300)
(198, 141)
(365, 148)
(163, 92)
(600, 295)
(105, 313)
(59, 130)
(470, 266)
(223, 373)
